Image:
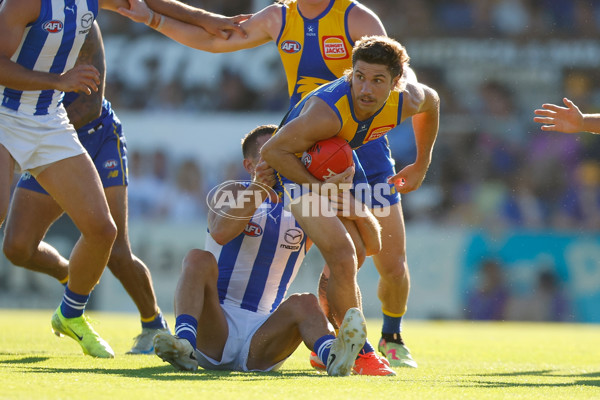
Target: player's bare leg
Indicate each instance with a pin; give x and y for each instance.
(127, 268)
(75, 185)
(322, 292)
(31, 214)
(196, 303)
(361, 255)
(394, 285)
(197, 295)
(133, 274)
(368, 363)
(299, 318)
(340, 254)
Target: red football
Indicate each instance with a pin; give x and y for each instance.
(328, 157)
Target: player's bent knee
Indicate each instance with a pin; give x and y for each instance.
(303, 305)
(17, 252)
(343, 268)
(398, 273)
(101, 232)
(199, 261)
(392, 267)
(337, 248)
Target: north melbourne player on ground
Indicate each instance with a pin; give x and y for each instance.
(229, 304)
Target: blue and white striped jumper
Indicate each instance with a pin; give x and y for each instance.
(50, 44)
(257, 267)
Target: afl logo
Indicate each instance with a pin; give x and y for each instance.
(110, 164)
(334, 48)
(253, 229)
(290, 46)
(53, 26)
(306, 159)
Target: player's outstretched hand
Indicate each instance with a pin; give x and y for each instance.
(138, 11)
(224, 27)
(567, 119)
(82, 78)
(408, 179)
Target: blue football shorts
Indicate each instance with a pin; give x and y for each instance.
(378, 166)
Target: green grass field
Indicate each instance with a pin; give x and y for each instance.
(457, 360)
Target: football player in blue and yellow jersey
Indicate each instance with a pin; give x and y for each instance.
(314, 40)
(314, 37)
(360, 107)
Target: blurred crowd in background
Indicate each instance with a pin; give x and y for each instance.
(492, 297)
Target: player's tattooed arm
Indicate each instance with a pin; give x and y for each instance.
(86, 108)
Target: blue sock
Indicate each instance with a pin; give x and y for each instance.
(322, 347)
(158, 322)
(367, 348)
(186, 328)
(73, 304)
(391, 325)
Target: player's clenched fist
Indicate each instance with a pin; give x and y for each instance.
(82, 78)
(264, 174)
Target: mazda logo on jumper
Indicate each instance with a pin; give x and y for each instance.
(293, 236)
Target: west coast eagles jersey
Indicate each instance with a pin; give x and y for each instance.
(338, 96)
(50, 44)
(314, 51)
(257, 267)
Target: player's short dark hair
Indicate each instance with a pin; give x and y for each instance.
(381, 50)
(249, 142)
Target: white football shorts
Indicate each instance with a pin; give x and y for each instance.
(243, 324)
(38, 140)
